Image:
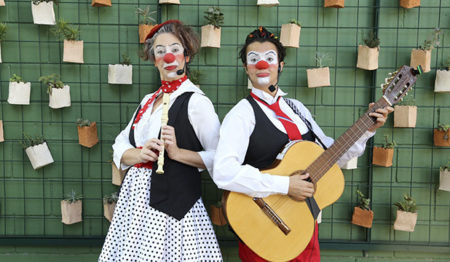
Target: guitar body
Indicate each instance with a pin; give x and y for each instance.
(255, 228)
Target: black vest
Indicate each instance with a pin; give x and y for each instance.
(266, 140)
(177, 190)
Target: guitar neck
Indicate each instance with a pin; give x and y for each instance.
(328, 158)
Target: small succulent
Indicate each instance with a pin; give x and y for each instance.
(32, 141)
(83, 122)
(364, 203)
(64, 31)
(372, 40)
(433, 40)
(126, 59)
(408, 101)
(387, 144)
(444, 128)
(447, 166)
(146, 15)
(3, 29)
(321, 58)
(408, 204)
(294, 21)
(16, 78)
(194, 76)
(214, 16)
(111, 198)
(73, 197)
(51, 81)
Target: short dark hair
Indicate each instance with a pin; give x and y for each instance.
(262, 35)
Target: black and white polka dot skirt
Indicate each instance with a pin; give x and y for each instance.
(141, 233)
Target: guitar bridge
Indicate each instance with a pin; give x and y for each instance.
(272, 215)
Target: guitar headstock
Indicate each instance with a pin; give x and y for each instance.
(399, 83)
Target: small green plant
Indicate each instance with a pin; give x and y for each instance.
(372, 40)
(294, 21)
(432, 41)
(387, 144)
(3, 29)
(145, 15)
(408, 204)
(194, 76)
(111, 198)
(444, 128)
(214, 16)
(363, 202)
(447, 166)
(447, 63)
(321, 58)
(408, 101)
(64, 31)
(83, 122)
(73, 197)
(36, 2)
(126, 59)
(16, 78)
(32, 141)
(51, 81)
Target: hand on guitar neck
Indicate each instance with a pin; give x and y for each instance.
(299, 188)
(381, 115)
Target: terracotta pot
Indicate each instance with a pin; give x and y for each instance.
(210, 36)
(108, 210)
(19, 93)
(217, 216)
(444, 180)
(421, 57)
(39, 155)
(71, 212)
(442, 82)
(368, 57)
(268, 2)
(334, 3)
(43, 13)
(409, 3)
(290, 35)
(117, 175)
(60, 97)
(101, 3)
(73, 51)
(174, 2)
(120, 74)
(362, 217)
(318, 77)
(1, 131)
(143, 32)
(405, 116)
(351, 164)
(87, 135)
(405, 221)
(441, 138)
(382, 157)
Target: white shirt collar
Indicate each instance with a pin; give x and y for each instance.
(266, 97)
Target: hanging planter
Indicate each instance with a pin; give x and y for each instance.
(73, 49)
(121, 74)
(362, 215)
(42, 11)
(59, 94)
(422, 56)
(382, 156)
(117, 175)
(37, 151)
(87, 133)
(334, 3)
(351, 164)
(2, 139)
(319, 77)
(3, 29)
(217, 214)
(109, 204)
(441, 136)
(19, 91)
(268, 3)
(442, 82)
(368, 54)
(444, 177)
(71, 209)
(290, 34)
(2, 2)
(406, 214)
(409, 3)
(173, 2)
(145, 25)
(405, 114)
(101, 3)
(211, 32)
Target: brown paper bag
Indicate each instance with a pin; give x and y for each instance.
(71, 212)
(382, 157)
(421, 57)
(290, 35)
(210, 36)
(362, 217)
(143, 32)
(405, 221)
(108, 210)
(217, 216)
(73, 51)
(318, 77)
(334, 3)
(87, 135)
(1, 131)
(368, 57)
(101, 3)
(405, 116)
(441, 138)
(117, 175)
(409, 3)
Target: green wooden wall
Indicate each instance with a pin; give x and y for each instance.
(29, 199)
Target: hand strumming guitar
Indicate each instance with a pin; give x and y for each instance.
(299, 188)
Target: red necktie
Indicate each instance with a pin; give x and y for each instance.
(291, 128)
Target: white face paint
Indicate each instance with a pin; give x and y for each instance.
(176, 49)
(269, 56)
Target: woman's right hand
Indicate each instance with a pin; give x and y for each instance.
(147, 152)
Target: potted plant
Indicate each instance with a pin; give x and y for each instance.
(290, 34)
(444, 177)
(212, 31)
(442, 82)
(121, 74)
(145, 25)
(19, 91)
(362, 215)
(441, 136)
(87, 132)
(109, 204)
(405, 113)
(174, 2)
(368, 53)
(268, 3)
(382, 156)
(73, 49)
(2, 139)
(3, 29)
(334, 3)
(217, 215)
(409, 3)
(59, 94)
(42, 11)
(422, 55)
(406, 214)
(101, 3)
(351, 164)
(320, 76)
(194, 76)
(37, 151)
(71, 208)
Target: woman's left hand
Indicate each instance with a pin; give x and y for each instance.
(170, 141)
(381, 115)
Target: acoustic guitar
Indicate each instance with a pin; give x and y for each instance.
(278, 228)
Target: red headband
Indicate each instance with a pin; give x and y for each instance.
(156, 28)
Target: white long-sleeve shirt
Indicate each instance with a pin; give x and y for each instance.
(202, 117)
(230, 173)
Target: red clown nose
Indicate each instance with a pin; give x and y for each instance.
(262, 65)
(169, 58)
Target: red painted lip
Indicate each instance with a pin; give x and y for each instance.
(170, 68)
(262, 75)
